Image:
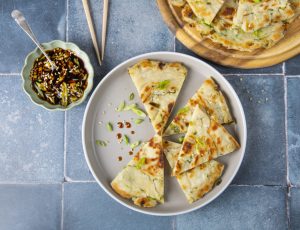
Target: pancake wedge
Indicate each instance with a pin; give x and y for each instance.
(210, 98)
(223, 31)
(142, 180)
(158, 85)
(205, 10)
(198, 181)
(205, 140)
(253, 15)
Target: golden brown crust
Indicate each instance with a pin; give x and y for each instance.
(122, 193)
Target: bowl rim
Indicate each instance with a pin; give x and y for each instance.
(145, 211)
(80, 53)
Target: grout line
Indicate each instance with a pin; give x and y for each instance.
(62, 207)
(10, 74)
(283, 68)
(293, 76)
(29, 183)
(65, 146)
(79, 181)
(286, 131)
(257, 185)
(174, 220)
(67, 21)
(287, 198)
(252, 74)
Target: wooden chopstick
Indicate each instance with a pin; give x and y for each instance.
(91, 28)
(104, 26)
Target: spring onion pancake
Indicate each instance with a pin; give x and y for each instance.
(205, 140)
(227, 31)
(142, 180)
(158, 85)
(253, 15)
(211, 99)
(205, 10)
(198, 181)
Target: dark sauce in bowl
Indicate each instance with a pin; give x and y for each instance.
(61, 86)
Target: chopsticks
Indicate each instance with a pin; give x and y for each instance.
(104, 26)
(92, 30)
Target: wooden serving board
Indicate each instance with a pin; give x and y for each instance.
(286, 48)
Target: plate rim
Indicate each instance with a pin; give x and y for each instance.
(145, 211)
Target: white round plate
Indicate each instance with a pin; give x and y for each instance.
(115, 87)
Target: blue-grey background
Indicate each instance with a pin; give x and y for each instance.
(44, 180)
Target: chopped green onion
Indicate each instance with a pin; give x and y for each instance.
(121, 106)
(257, 1)
(139, 112)
(141, 162)
(180, 139)
(130, 107)
(135, 144)
(101, 143)
(163, 84)
(126, 139)
(183, 110)
(109, 127)
(131, 96)
(138, 121)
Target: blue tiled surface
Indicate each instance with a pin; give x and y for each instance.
(292, 66)
(293, 87)
(263, 101)
(134, 27)
(32, 138)
(240, 207)
(295, 208)
(30, 207)
(86, 206)
(276, 69)
(76, 167)
(40, 153)
(47, 20)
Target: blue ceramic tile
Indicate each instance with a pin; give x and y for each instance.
(239, 207)
(293, 93)
(292, 66)
(30, 207)
(31, 146)
(87, 206)
(47, 20)
(76, 166)
(230, 70)
(134, 27)
(295, 208)
(263, 102)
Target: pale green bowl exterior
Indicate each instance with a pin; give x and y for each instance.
(29, 64)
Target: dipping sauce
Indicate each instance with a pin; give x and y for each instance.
(64, 85)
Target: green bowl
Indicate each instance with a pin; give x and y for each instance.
(29, 64)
